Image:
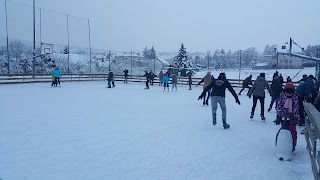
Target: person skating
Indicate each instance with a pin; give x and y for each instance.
(165, 81)
(258, 93)
(54, 81)
(276, 88)
(190, 79)
(160, 78)
(147, 75)
(289, 79)
(110, 79)
(247, 83)
(218, 94)
(206, 80)
(151, 76)
(281, 79)
(305, 91)
(174, 81)
(288, 110)
(126, 74)
(57, 75)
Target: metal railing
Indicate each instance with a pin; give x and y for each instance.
(312, 135)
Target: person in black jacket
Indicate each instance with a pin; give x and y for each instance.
(126, 72)
(276, 89)
(110, 79)
(218, 95)
(147, 75)
(246, 84)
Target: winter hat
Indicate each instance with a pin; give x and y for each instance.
(289, 86)
(262, 74)
(222, 76)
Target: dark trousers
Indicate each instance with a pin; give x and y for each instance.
(58, 80)
(244, 88)
(54, 82)
(147, 84)
(301, 109)
(204, 97)
(255, 100)
(274, 99)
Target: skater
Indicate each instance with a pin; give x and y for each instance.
(54, 81)
(281, 79)
(304, 91)
(147, 75)
(206, 81)
(190, 79)
(126, 72)
(165, 81)
(258, 93)
(57, 75)
(151, 76)
(289, 79)
(174, 81)
(276, 88)
(288, 110)
(247, 83)
(160, 78)
(218, 95)
(110, 79)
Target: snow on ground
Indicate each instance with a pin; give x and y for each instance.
(234, 74)
(87, 131)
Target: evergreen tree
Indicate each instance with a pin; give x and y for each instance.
(181, 61)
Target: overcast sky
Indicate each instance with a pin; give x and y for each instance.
(165, 24)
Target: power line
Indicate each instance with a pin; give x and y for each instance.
(47, 10)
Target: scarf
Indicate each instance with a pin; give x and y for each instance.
(288, 104)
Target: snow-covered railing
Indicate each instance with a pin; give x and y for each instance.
(312, 135)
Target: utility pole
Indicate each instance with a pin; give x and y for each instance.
(208, 59)
(8, 56)
(240, 66)
(276, 56)
(154, 64)
(109, 56)
(68, 49)
(89, 44)
(131, 64)
(34, 39)
(318, 65)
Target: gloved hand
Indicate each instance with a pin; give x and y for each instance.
(278, 120)
(249, 96)
(237, 101)
(200, 97)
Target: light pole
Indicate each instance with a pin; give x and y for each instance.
(240, 65)
(109, 60)
(34, 39)
(208, 59)
(276, 56)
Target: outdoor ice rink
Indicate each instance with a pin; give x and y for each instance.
(84, 130)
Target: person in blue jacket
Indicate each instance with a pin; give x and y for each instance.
(57, 75)
(165, 80)
(304, 90)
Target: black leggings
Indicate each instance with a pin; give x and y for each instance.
(58, 80)
(255, 100)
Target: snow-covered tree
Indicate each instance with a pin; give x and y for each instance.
(181, 61)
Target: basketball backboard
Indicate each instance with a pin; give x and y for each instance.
(46, 48)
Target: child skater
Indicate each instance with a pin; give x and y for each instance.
(288, 110)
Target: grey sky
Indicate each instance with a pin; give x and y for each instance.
(201, 25)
